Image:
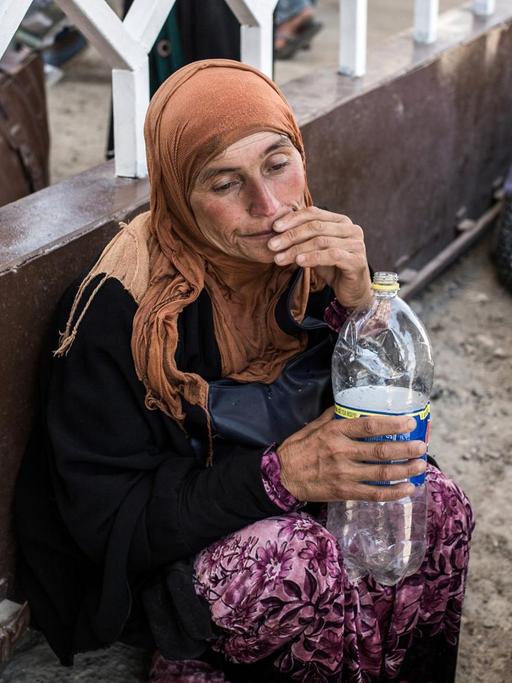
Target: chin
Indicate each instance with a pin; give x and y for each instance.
(267, 257)
(259, 256)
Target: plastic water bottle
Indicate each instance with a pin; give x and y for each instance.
(382, 364)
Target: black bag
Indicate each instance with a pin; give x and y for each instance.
(24, 138)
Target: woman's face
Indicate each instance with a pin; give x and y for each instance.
(241, 192)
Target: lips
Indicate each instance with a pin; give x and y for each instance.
(271, 233)
(265, 233)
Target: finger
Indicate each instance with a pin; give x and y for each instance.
(347, 470)
(337, 491)
(312, 228)
(309, 213)
(397, 472)
(382, 494)
(343, 259)
(363, 462)
(389, 451)
(329, 249)
(375, 425)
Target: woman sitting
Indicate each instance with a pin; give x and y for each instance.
(170, 494)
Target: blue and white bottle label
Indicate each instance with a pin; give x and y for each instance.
(420, 433)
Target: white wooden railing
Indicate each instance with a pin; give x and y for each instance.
(125, 46)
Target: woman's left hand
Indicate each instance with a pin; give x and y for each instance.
(332, 245)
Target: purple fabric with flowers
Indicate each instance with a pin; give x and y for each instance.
(335, 315)
(279, 587)
(271, 478)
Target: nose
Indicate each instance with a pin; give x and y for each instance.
(262, 201)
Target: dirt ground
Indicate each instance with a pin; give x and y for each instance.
(469, 318)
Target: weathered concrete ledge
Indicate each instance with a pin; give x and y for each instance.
(33, 227)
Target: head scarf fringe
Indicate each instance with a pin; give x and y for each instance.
(125, 258)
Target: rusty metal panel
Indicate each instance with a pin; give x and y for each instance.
(46, 241)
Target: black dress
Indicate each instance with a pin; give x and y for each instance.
(114, 501)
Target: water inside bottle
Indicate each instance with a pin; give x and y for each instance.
(398, 550)
(381, 400)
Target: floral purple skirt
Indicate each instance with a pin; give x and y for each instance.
(278, 589)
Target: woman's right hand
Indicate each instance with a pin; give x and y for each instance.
(325, 461)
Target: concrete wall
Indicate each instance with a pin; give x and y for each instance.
(417, 144)
(425, 133)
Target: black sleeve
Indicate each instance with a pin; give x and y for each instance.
(128, 486)
(208, 30)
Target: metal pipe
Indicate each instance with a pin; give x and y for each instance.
(451, 252)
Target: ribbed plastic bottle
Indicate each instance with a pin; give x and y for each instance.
(382, 364)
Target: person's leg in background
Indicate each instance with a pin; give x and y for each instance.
(295, 26)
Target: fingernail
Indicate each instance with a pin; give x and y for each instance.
(301, 258)
(275, 243)
(422, 448)
(277, 225)
(279, 257)
(411, 424)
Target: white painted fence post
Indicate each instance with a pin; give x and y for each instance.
(353, 30)
(130, 97)
(11, 14)
(256, 31)
(125, 46)
(484, 8)
(425, 21)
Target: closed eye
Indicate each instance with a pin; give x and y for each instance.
(279, 166)
(225, 186)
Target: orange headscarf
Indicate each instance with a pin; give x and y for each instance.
(162, 257)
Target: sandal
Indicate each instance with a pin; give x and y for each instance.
(296, 41)
(308, 31)
(288, 49)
